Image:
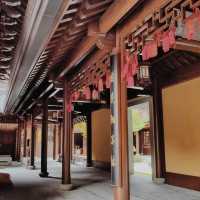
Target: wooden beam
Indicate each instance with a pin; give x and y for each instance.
(102, 28)
(119, 8)
(187, 45)
(77, 56)
(147, 10)
(106, 43)
(93, 29)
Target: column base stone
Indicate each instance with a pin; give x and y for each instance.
(159, 181)
(32, 167)
(44, 174)
(66, 187)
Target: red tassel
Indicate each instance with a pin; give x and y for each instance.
(158, 38)
(130, 81)
(100, 85)
(134, 64)
(76, 95)
(145, 53)
(108, 79)
(95, 94)
(152, 49)
(88, 94)
(69, 108)
(190, 28)
(166, 42)
(172, 36)
(135, 60)
(126, 65)
(125, 70)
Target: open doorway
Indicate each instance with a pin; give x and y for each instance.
(140, 136)
(79, 142)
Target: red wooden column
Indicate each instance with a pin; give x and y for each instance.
(32, 164)
(119, 127)
(25, 137)
(54, 141)
(67, 134)
(59, 139)
(158, 136)
(89, 138)
(44, 139)
(18, 140)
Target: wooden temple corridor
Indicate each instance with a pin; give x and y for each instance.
(88, 183)
(99, 99)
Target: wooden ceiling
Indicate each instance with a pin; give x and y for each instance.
(176, 66)
(11, 20)
(72, 28)
(70, 31)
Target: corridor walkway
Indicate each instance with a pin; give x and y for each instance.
(89, 184)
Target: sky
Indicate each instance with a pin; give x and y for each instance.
(3, 94)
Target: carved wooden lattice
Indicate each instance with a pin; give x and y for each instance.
(89, 75)
(171, 13)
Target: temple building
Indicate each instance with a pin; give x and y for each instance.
(99, 99)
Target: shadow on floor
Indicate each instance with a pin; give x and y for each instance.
(30, 192)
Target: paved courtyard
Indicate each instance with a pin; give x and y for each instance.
(89, 184)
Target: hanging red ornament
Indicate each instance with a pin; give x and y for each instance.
(76, 95)
(127, 61)
(152, 49)
(135, 60)
(145, 53)
(165, 42)
(190, 28)
(100, 85)
(108, 79)
(69, 107)
(87, 93)
(130, 80)
(95, 94)
(158, 38)
(134, 64)
(172, 36)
